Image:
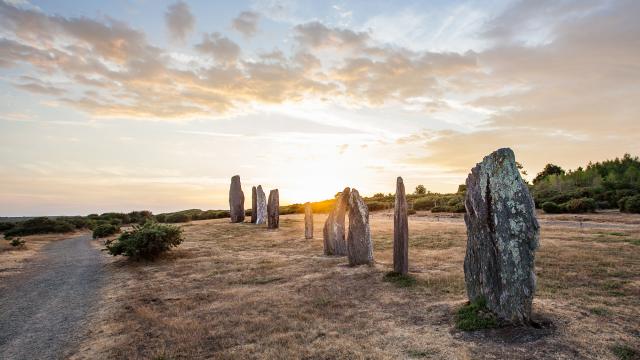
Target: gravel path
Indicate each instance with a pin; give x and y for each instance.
(43, 311)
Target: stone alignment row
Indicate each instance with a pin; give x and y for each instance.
(259, 206)
(502, 233)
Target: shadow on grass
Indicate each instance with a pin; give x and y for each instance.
(400, 280)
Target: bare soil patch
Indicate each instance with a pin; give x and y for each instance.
(14, 259)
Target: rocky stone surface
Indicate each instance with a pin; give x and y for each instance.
(308, 221)
(359, 245)
(236, 200)
(273, 210)
(400, 231)
(254, 205)
(502, 236)
(333, 232)
(261, 206)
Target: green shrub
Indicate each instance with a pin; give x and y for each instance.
(631, 204)
(552, 208)
(376, 205)
(625, 352)
(458, 208)
(424, 203)
(78, 221)
(39, 225)
(104, 230)
(213, 214)
(146, 241)
(411, 212)
(581, 205)
(455, 201)
(440, 209)
(474, 316)
(177, 218)
(17, 242)
(4, 226)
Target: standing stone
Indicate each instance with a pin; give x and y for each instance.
(502, 236)
(273, 210)
(261, 206)
(333, 232)
(359, 246)
(254, 205)
(236, 200)
(400, 231)
(308, 221)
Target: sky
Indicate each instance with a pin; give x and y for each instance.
(138, 104)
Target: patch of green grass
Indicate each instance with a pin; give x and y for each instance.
(601, 311)
(617, 234)
(321, 301)
(613, 285)
(625, 352)
(635, 242)
(475, 316)
(399, 279)
(413, 353)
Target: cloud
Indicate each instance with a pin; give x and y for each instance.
(316, 35)
(40, 88)
(581, 75)
(179, 20)
(401, 75)
(221, 48)
(585, 78)
(246, 23)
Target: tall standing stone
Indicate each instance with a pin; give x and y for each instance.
(254, 205)
(333, 232)
(400, 231)
(308, 221)
(273, 210)
(359, 245)
(236, 200)
(261, 206)
(502, 236)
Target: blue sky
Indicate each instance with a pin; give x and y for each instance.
(128, 105)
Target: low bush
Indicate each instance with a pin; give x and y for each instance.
(424, 203)
(376, 205)
(146, 241)
(475, 316)
(411, 212)
(39, 225)
(4, 226)
(17, 242)
(214, 214)
(631, 204)
(552, 208)
(105, 230)
(581, 205)
(177, 218)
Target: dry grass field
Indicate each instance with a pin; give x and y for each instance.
(239, 291)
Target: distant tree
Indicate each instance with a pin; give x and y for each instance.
(549, 169)
(378, 195)
(521, 168)
(420, 190)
